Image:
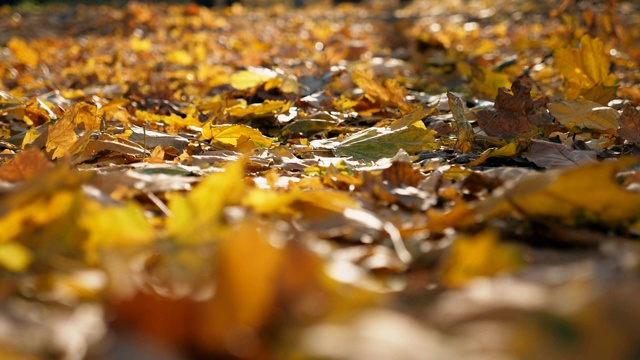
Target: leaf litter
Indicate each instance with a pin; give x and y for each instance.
(270, 182)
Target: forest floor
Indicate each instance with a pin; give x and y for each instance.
(459, 179)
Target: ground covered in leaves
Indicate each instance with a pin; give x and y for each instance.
(459, 179)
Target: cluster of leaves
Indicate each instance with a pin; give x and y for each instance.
(251, 172)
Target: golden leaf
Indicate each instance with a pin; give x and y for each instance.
(587, 190)
(585, 114)
(172, 119)
(268, 108)
(62, 136)
(390, 93)
(233, 135)
(585, 68)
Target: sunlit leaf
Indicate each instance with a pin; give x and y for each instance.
(235, 135)
(585, 68)
(62, 136)
(484, 80)
(376, 143)
(171, 119)
(267, 108)
(589, 190)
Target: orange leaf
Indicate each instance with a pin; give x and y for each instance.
(24, 166)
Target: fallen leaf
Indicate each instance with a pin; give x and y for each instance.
(246, 293)
(547, 154)
(387, 94)
(180, 57)
(171, 119)
(585, 114)
(62, 136)
(509, 119)
(235, 135)
(589, 190)
(197, 216)
(25, 166)
(630, 124)
(586, 69)
(377, 143)
(464, 130)
(267, 108)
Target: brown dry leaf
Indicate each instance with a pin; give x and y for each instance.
(25, 166)
(509, 119)
(547, 154)
(630, 124)
(464, 130)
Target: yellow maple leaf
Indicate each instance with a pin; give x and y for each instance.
(477, 256)
(235, 135)
(30, 136)
(586, 70)
(62, 136)
(23, 52)
(85, 113)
